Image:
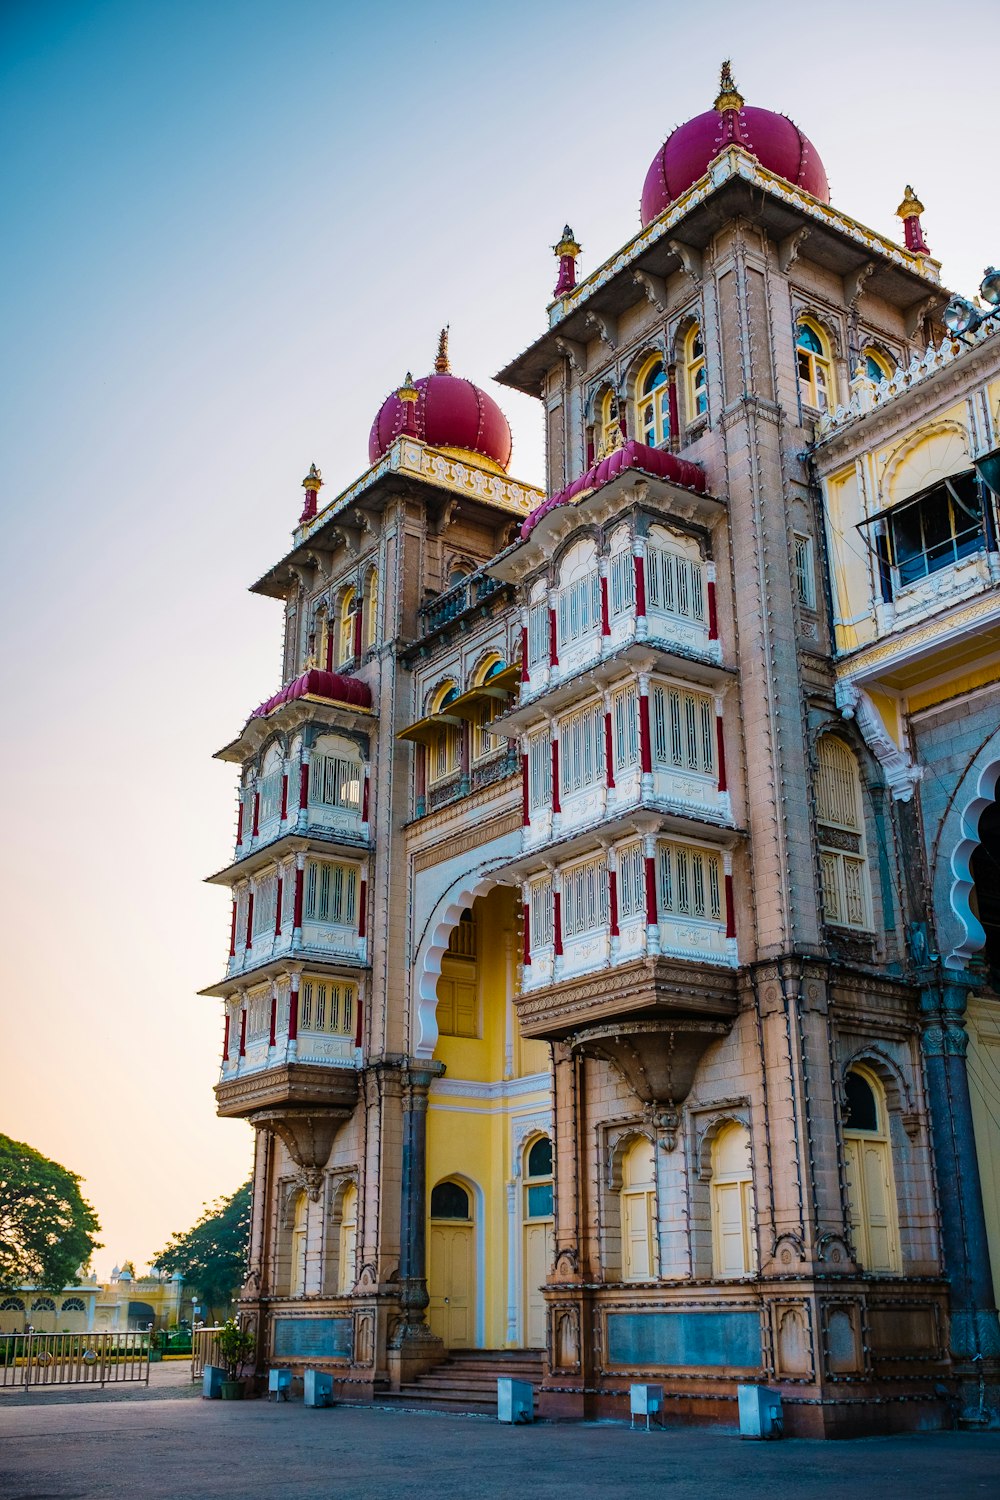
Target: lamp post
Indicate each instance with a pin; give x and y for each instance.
(962, 316)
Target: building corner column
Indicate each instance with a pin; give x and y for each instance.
(413, 1348)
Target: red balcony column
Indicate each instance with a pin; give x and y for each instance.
(602, 568)
(525, 787)
(720, 744)
(256, 814)
(556, 808)
(713, 613)
(609, 745)
(272, 1037)
(526, 934)
(557, 942)
(356, 638)
(225, 1037)
(639, 564)
(359, 1019)
(293, 1009)
(232, 928)
(645, 736)
(277, 906)
(613, 928)
(365, 793)
(284, 793)
(243, 1028)
(652, 914)
(304, 781)
(249, 932)
(300, 886)
(363, 909)
(672, 407)
(525, 674)
(239, 821)
(727, 865)
(553, 630)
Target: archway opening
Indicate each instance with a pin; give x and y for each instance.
(984, 898)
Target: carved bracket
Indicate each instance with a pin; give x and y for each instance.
(915, 314)
(689, 257)
(900, 772)
(654, 286)
(575, 352)
(789, 247)
(607, 328)
(854, 282)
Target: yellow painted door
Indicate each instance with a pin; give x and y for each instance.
(881, 1249)
(538, 1252)
(638, 1236)
(729, 1238)
(452, 1310)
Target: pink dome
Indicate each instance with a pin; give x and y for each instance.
(448, 413)
(776, 142)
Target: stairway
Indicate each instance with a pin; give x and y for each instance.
(466, 1383)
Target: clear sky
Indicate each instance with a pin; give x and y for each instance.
(229, 230)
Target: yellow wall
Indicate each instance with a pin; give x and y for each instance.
(984, 1087)
(470, 1137)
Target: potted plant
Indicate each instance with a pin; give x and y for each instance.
(236, 1345)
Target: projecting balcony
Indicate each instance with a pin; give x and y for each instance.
(456, 601)
(687, 801)
(321, 942)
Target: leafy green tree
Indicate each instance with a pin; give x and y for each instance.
(47, 1227)
(212, 1257)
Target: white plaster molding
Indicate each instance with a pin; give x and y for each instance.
(901, 773)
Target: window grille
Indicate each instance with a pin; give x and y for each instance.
(331, 893)
(625, 727)
(690, 882)
(540, 903)
(445, 755)
(579, 608)
(327, 1006)
(937, 529)
(631, 881)
(622, 583)
(581, 749)
(270, 796)
(259, 1017)
(805, 581)
(483, 742)
(585, 897)
(462, 942)
(538, 633)
(684, 732)
(336, 780)
(675, 584)
(539, 771)
(265, 904)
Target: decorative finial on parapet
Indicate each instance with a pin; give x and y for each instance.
(409, 395)
(567, 251)
(729, 96)
(442, 364)
(312, 484)
(909, 211)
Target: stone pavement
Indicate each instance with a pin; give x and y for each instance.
(182, 1449)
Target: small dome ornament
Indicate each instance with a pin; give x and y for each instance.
(442, 364)
(444, 411)
(312, 484)
(567, 251)
(729, 96)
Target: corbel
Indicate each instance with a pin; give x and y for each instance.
(574, 351)
(789, 247)
(689, 257)
(854, 282)
(607, 327)
(915, 314)
(445, 517)
(654, 286)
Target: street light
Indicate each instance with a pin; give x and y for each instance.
(962, 316)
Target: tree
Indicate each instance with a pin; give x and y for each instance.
(47, 1227)
(212, 1256)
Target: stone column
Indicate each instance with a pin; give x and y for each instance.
(414, 1348)
(974, 1328)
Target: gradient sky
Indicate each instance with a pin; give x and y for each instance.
(229, 230)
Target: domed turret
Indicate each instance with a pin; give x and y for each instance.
(445, 411)
(775, 140)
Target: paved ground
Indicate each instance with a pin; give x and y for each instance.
(174, 1448)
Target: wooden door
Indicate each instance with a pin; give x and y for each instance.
(538, 1253)
(452, 1284)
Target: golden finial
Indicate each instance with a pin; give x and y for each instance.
(911, 206)
(314, 479)
(408, 391)
(441, 364)
(567, 245)
(729, 96)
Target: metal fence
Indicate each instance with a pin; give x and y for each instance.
(43, 1359)
(205, 1350)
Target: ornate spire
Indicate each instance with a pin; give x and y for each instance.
(567, 251)
(909, 211)
(312, 484)
(441, 364)
(409, 395)
(729, 96)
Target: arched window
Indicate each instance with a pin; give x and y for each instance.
(876, 365)
(484, 743)
(871, 1190)
(652, 404)
(815, 370)
(43, 1304)
(609, 432)
(347, 604)
(638, 1211)
(695, 374)
(371, 634)
(73, 1304)
(320, 648)
(444, 753)
(11, 1304)
(984, 899)
(538, 1179)
(733, 1247)
(458, 574)
(299, 1223)
(450, 1200)
(842, 854)
(347, 1270)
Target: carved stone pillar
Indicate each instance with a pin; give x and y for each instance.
(413, 1347)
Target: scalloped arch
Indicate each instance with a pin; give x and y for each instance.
(434, 943)
(939, 461)
(961, 867)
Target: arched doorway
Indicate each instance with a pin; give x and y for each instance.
(537, 1237)
(984, 899)
(638, 1211)
(733, 1252)
(452, 1265)
(871, 1187)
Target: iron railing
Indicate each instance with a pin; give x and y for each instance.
(456, 600)
(205, 1350)
(46, 1359)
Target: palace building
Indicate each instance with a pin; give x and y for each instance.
(614, 953)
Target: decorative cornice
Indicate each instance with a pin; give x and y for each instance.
(495, 828)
